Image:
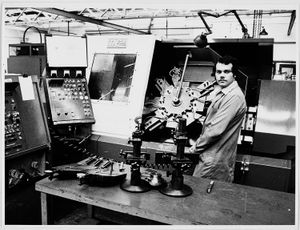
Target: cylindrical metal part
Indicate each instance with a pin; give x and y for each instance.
(181, 125)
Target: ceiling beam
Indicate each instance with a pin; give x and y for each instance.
(89, 20)
(20, 15)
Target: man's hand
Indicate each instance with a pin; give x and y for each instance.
(192, 149)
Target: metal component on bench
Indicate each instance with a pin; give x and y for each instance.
(176, 186)
(135, 183)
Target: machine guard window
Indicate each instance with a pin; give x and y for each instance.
(111, 76)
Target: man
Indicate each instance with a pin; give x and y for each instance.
(217, 143)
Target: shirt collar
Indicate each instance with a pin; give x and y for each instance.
(229, 88)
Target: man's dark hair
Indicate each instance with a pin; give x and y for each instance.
(227, 60)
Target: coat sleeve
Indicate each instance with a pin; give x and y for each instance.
(216, 126)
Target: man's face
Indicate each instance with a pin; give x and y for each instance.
(224, 75)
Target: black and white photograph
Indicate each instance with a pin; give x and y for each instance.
(149, 115)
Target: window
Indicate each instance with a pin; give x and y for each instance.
(111, 76)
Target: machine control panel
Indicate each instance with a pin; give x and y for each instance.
(69, 101)
(14, 137)
(26, 129)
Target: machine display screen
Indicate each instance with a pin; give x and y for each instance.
(111, 76)
(66, 51)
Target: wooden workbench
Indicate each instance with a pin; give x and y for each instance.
(227, 204)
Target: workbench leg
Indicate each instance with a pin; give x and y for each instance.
(90, 211)
(46, 209)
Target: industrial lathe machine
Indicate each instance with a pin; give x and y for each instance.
(100, 101)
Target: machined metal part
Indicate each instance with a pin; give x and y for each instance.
(190, 104)
(101, 177)
(176, 187)
(135, 158)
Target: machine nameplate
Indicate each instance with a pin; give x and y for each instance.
(117, 43)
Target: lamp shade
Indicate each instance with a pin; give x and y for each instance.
(200, 41)
(263, 32)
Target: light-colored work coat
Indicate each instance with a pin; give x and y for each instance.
(217, 143)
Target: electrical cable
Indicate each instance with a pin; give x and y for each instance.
(32, 27)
